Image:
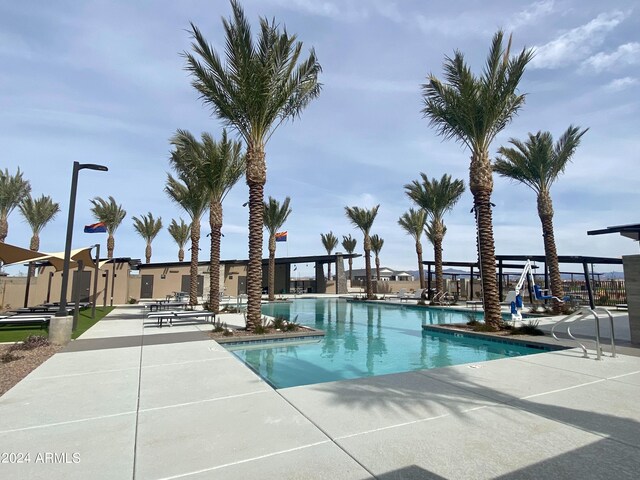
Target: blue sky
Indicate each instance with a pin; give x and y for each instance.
(104, 82)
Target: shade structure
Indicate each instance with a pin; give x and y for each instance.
(57, 259)
(10, 254)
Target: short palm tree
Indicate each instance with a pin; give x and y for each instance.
(37, 213)
(473, 110)
(13, 189)
(376, 245)
(329, 242)
(537, 163)
(274, 217)
(261, 84)
(148, 228)
(436, 197)
(413, 222)
(189, 193)
(363, 219)
(111, 214)
(180, 233)
(219, 165)
(349, 244)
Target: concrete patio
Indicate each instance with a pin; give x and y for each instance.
(131, 400)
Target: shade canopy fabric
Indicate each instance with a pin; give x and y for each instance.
(13, 254)
(57, 259)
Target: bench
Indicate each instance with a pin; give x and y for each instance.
(183, 314)
(40, 320)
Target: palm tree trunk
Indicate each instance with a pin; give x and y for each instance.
(193, 271)
(272, 267)
(329, 270)
(181, 254)
(111, 245)
(545, 211)
(4, 228)
(481, 186)
(420, 265)
(215, 222)
(350, 268)
(147, 253)
(367, 266)
(256, 178)
(437, 257)
(34, 245)
(377, 267)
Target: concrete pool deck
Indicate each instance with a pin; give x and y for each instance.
(131, 400)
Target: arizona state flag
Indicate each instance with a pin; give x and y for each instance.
(281, 236)
(95, 228)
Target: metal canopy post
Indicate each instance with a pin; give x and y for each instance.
(585, 267)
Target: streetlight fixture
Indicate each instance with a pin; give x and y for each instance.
(62, 310)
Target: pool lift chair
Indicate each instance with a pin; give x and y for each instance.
(514, 297)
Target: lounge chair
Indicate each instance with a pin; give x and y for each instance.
(402, 294)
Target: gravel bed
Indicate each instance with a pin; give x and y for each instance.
(28, 360)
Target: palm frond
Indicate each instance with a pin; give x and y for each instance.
(537, 162)
(349, 243)
(13, 189)
(187, 193)
(474, 109)
(108, 212)
(329, 241)
(147, 226)
(180, 232)
(37, 213)
(413, 222)
(435, 197)
(276, 214)
(260, 83)
(362, 218)
(376, 244)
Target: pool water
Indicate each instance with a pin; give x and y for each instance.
(363, 340)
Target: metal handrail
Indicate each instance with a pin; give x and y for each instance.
(582, 314)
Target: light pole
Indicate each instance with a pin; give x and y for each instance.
(95, 282)
(62, 310)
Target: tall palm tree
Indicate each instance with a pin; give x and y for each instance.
(473, 110)
(329, 242)
(261, 84)
(413, 222)
(219, 165)
(37, 213)
(148, 228)
(189, 193)
(111, 214)
(363, 219)
(537, 163)
(436, 197)
(349, 244)
(180, 233)
(376, 246)
(13, 189)
(274, 217)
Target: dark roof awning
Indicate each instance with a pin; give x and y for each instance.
(630, 231)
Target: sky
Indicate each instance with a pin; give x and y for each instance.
(104, 82)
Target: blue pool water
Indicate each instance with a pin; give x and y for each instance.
(362, 340)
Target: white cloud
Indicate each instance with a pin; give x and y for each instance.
(621, 83)
(532, 13)
(627, 54)
(578, 43)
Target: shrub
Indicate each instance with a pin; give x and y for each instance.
(531, 328)
(292, 325)
(31, 342)
(132, 301)
(219, 326)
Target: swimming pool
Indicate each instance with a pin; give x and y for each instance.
(362, 340)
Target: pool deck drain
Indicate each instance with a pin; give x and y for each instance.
(172, 403)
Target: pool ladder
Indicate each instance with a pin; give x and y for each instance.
(584, 314)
